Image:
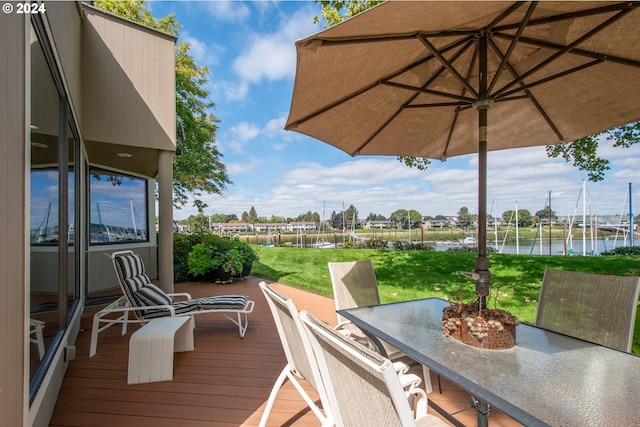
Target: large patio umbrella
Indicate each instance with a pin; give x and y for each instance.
(442, 79)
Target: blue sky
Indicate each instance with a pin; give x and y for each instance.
(249, 49)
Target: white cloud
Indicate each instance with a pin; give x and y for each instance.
(358, 173)
(239, 135)
(272, 56)
(236, 91)
(383, 185)
(203, 53)
(245, 167)
(230, 11)
(275, 127)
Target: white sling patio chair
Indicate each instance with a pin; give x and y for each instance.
(362, 386)
(147, 301)
(355, 285)
(36, 336)
(301, 363)
(593, 307)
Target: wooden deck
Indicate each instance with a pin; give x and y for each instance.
(225, 382)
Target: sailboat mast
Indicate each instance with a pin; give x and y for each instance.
(550, 221)
(517, 235)
(584, 218)
(630, 217)
(133, 217)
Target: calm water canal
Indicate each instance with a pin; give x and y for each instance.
(557, 247)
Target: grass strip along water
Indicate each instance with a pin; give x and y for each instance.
(408, 275)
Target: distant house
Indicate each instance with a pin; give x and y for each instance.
(302, 226)
(441, 223)
(545, 221)
(264, 227)
(230, 227)
(378, 224)
(496, 222)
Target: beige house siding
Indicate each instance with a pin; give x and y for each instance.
(119, 81)
(127, 87)
(65, 23)
(13, 289)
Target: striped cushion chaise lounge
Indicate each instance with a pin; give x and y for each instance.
(147, 301)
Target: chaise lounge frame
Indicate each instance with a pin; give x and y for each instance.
(177, 304)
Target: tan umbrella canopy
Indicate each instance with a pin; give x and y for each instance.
(442, 79)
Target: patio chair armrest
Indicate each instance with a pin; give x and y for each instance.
(121, 309)
(340, 327)
(401, 367)
(411, 383)
(180, 294)
(350, 330)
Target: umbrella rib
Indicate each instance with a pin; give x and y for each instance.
(551, 78)
(438, 104)
(326, 41)
(370, 86)
(468, 43)
(447, 64)
(456, 114)
(573, 15)
(462, 99)
(575, 51)
(514, 6)
(530, 96)
(428, 91)
(512, 45)
(566, 49)
(428, 58)
(374, 134)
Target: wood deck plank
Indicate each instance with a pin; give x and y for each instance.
(224, 382)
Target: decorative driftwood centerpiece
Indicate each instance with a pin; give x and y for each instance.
(491, 329)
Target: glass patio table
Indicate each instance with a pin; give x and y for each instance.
(546, 379)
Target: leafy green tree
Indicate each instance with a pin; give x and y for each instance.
(581, 152)
(375, 217)
(223, 218)
(276, 219)
(197, 168)
(406, 218)
(344, 219)
(308, 217)
(524, 217)
(351, 216)
(335, 11)
(464, 217)
(200, 206)
(198, 223)
(415, 217)
(245, 216)
(253, 215)
(547, 212)
(336, 220)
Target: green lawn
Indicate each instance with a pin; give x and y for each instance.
(407, 275)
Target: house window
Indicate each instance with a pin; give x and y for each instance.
(44, 228)
(55, 157)
(118, 210)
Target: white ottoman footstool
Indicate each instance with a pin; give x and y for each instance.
(151, 348)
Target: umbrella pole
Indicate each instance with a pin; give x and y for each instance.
(482, 274)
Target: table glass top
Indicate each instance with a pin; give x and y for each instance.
(547, 378)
